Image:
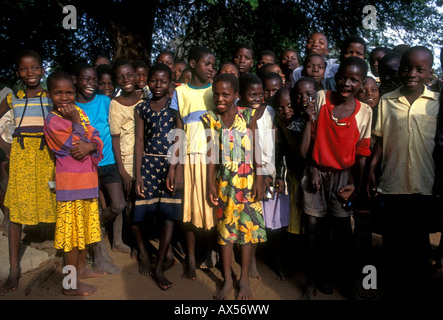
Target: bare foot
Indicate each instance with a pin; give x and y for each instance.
(210, 260)
(87, 273)
(168, 264)
(103, 266)
(190, 272)
(82, 290)
(253, 272)
(144, 265)
(118, 246)
(244, 292)
(12, 281)
(161, 280)
(224, 291)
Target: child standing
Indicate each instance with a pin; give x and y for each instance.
(341, 133)
(153, 122)
(105, 85)
(264, 57)
(314, 67)
(235, 188)
(407, 119)
(28, 197)
(78, 150)
(289, 61)
(141, 70)
(96, 106)
(122, 129)
(191, 101)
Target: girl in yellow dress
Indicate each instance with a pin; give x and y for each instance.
(28, 197)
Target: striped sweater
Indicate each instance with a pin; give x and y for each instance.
(74, 179)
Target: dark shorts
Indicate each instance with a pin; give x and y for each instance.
(109, 174)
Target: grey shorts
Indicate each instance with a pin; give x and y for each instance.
(319, 204)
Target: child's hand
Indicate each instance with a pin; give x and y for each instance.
(174, 178)
(315, 179)
(139, 187)
(212, 196)
(309, 110)
(371, 186)
(70, 112)
(127, 181)
(258, 188)
(279, 186)
(268, 183)
(346, 192)
(81, 149)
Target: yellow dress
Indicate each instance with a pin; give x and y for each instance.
(28, 197)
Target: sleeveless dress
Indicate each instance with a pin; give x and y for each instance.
(28, 197)
(239, 218)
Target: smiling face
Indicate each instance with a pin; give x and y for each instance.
(369, 93)
(224, 96)
(317, 43)
(415, 70)
(243, 60)
(125, 78)
(85, 84)
(348, 81)
(30, 71)
(105, 84)
(62, 93)
(159, 84)
(253, 96)
(315, 68)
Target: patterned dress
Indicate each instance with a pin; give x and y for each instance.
(76, 181)
(158, 202)
(239, 218)
(28, 197)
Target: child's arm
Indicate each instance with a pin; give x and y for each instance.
(174, 178)
(138, 153)
(126, 177)
(377, 153)
(258, 190)
(305, 142)
(4, 107)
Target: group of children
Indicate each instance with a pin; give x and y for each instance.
(233, 156)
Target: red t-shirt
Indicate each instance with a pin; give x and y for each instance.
(336, 143)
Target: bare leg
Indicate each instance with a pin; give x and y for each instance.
(144, 263)
(226, 251)
(190, 272)
(73, 258)
(253, 272)
(102, 263)
(82, 271)
(165, 241)
(14, 237)
(117, 241)
(244, 292)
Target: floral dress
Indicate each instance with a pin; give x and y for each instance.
(239, 217)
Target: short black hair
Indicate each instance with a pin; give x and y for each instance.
(117, 64)
(58, 75)
(305, 61)
(165, 52)
(267, 53)
(197, 53)
(354, 61)
(140, 64)
(353, 39)
(265, 69)
(411, 50)
(279, 93)
(160, 67)
(231, 64)
(27, 53)
(271, 76)
(229, 78)
(246, 46)
(301, 80)
(103, 69)
(248, 79)
(385, 50)
(78, 67)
